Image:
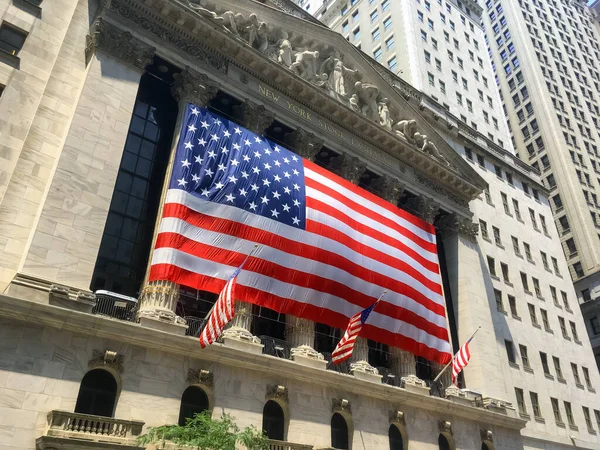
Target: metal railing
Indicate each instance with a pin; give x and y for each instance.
(115, 305)
(195, 325)
(275, 347)
(64, 424)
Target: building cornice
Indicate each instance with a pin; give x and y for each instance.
(187, 346)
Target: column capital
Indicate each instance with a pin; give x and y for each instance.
(119, 44)
(349, 167)
(453, 224)
(304, 143)
(425, 207)
(256, 118)
(194, 87)
(389, 188)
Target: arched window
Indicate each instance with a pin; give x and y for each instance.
(97, 394)
(193, 401)
(443, 443)
(339, 432)
(396, 442)
(273, 421)
(484, 446)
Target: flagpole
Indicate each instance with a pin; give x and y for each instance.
(242, 265)
(448, 365)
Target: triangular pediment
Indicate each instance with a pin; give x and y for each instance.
(318, 65)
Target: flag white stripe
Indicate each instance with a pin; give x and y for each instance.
(297, 293)
(254, 220)
(369, 204)
(227, 242)
(368, 222)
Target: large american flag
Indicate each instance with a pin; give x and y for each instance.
(327, 247)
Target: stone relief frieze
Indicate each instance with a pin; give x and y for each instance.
(324, 69)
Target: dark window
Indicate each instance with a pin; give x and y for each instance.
(339, 432)
(125, 246)
(193, 401)
(396, 442)
(97, 394)
(273, 420)
(11, 38)
(443, 443)
(484, 446)
(1, 89)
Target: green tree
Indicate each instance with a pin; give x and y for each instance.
(205, 433)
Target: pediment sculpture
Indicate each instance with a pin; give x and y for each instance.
(327, 71)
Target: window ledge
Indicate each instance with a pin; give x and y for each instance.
(486, 238)
(540, 297)
(31, 6)
(514, 365)
(517, 318)
(540, 419)
(9, 59)
(579, 385)
(528, 369)
(577, 341)
(519, 255)
(500, 246)
(525, 416)
(548, 330)
(560, 424)
(561, 380)
(531, 261)
(495, 277)
(537, 325)
(549, 376)
(574, 427)
(503, 311)
(591, 431)
(508, 283)
(527, 291)
(591, 389)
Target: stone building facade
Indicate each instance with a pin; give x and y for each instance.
(88, 118)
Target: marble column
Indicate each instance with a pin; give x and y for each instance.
(300, 333)
(257, 119)
(158, 299)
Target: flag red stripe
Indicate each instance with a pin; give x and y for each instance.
(264, 237)
(370, 196)
(312, 281)
(295, 308)
(355, 207)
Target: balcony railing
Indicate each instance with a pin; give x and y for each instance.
(282, 445)
(69, 425)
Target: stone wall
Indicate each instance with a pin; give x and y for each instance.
(41, 368)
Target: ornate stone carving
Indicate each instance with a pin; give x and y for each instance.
(119, 44)
(440, 190)
(239, 327)
(195, 87)
(389, 188)
(428, 147)
(406, 129)
(396, 417)
(106, 358)
(445, 427)
(193, 48)
(360, 358)
(453, 224)
(385, 118)
(304, 143)
(256, 118)
(277, 392)
(158, 301)
(349, 167)
(486, 435)
(201, 377)
(300, 333)
(424, 207)
(341, 405)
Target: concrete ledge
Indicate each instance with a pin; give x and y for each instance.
(310, 362)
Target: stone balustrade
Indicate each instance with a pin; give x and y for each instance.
(282, 445)
(69, 425)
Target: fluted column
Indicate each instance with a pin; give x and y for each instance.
(299, 332)
(158, 298)
(237, 333)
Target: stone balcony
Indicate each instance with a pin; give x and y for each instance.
(71, 431)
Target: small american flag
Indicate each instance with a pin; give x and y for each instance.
(344, 349)
(461, 359)
(222, 312)
(327, 247)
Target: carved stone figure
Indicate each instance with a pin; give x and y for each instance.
(406, 129)
(231, 21)
(284, 55)
(385, 119)
(252, 29)
(335, 69)
(354, 103)
(429, 147)
(305, 64)
(367, 94)
(262, 42)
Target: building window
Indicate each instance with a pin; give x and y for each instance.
(97, 394)
(345, 27)
(375, 34)
(491, 266)
(11, 38)
(355, 16)
(556, 411)
(374, 15)
(377, 54)
(443, 443)
(595, 325)
(484, 230)
(545, 366)
(385, 5)
(396, 440)
(510, 352)
(520, 401)
(127, 238)
(430, 79)
(515, 244)
(392, 64)
(339, 432)
(545, 320)
(512, 303)
(535, 405)
(273, 421)
(524, 356)
(525, 282)
(505, 203)
(586, 377)
(574, 331)
(517, 210)
(588, 419)
(563, 327)
(497, 237)
(193, 401)
(557, 368)
(569, 413)
(536, 287)
(565, 300)
(505, 273)
(356, 34)
(387, 24)
(527, 252)
(389, 42)
(532, 315)
(499, 303)
(576, 375)
(533, 220)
